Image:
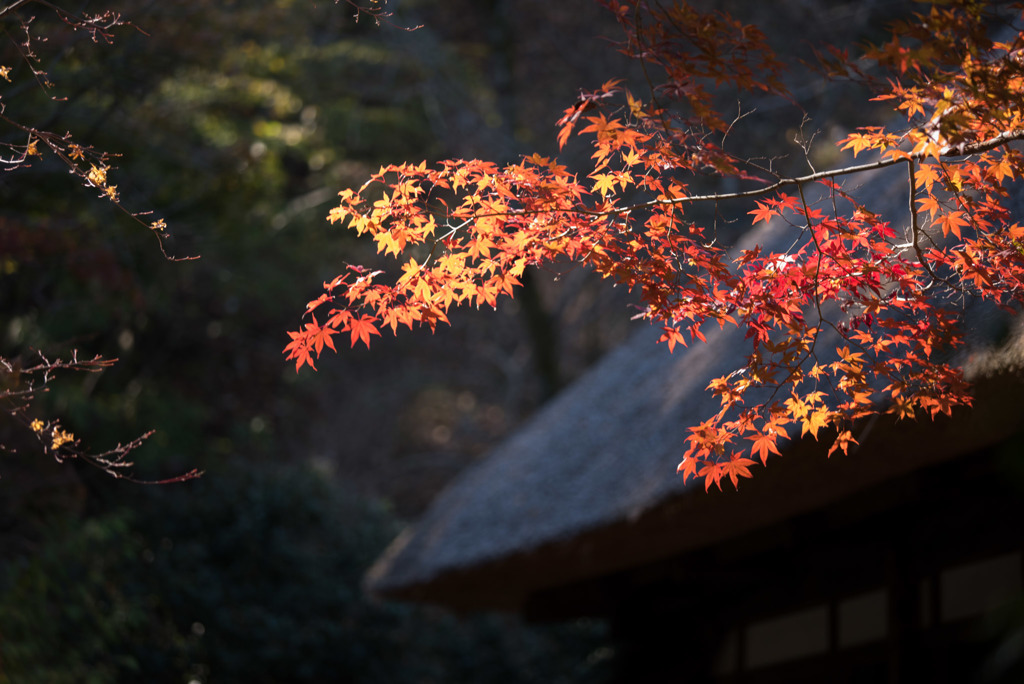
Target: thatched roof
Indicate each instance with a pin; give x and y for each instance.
(588, 486)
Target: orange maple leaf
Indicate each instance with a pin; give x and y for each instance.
(952, 223)
(843, 441)
(814, 421)
(673, 336)
(361, 328)
(763, 212)
(763, 445)
(735, 468)
(687, 467)
(299, 349)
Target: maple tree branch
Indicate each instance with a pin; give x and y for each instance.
(915, 227)
(817, 278)
(13, 6)
(959, 150)
(21, 383)
(650, 83)
(536, 212)
(376, 11)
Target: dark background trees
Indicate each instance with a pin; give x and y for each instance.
(238, 136)
(236, 124)
(254, 576)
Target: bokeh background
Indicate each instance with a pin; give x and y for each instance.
(237, 123)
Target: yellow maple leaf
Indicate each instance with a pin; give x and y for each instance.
(814, 421)
(604, 183)
(98, 175)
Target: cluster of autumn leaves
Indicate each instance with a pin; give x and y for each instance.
(855, 317)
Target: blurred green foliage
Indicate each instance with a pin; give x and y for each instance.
(236, 123)
(251, 575)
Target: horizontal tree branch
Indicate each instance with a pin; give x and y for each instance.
(959, 150)
(948, 151)
(13, 6)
